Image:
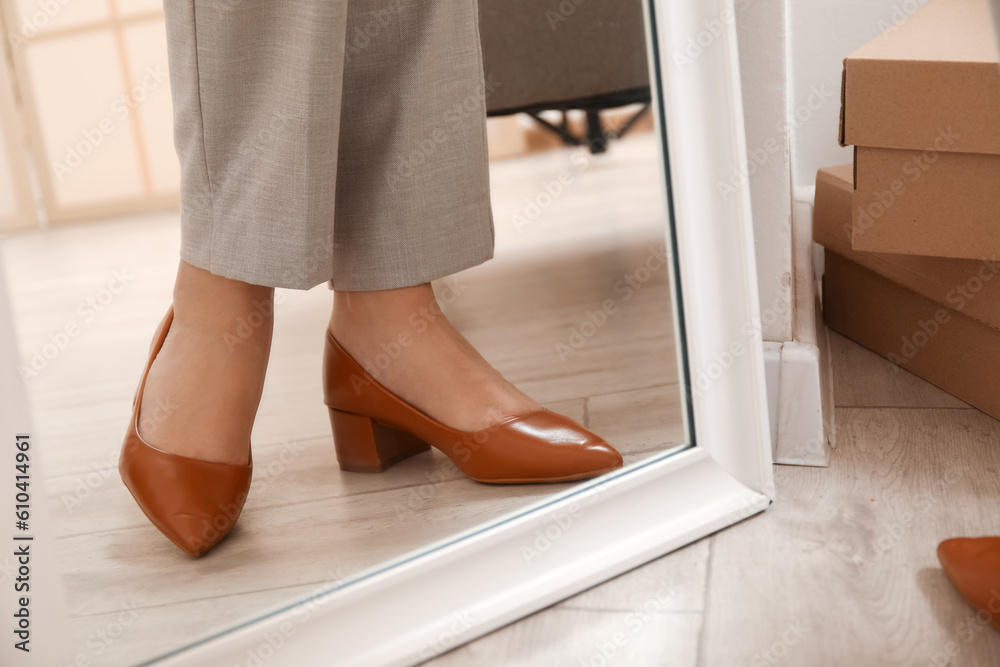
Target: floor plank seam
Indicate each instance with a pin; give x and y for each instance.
(702, 631)
(632, 389)
(630, 610)
(307, 595)
(904, 407)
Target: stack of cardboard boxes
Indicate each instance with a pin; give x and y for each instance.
(911, 230)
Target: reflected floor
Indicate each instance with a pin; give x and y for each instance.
(574, 309)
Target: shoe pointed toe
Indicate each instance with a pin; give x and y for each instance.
(970, 555)
(193, 503)
(542, 446)
(582, 454)
(600, 456)
(972, 565)
(194, 534)
(952, 551)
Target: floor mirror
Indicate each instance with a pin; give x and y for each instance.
(622, 293)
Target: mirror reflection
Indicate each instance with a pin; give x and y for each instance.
(503, 313)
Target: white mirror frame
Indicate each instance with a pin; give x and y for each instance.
(454, 591)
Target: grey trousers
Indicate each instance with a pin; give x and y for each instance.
(330, 140)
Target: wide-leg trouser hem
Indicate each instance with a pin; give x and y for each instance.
(330, 141)
(415, 276)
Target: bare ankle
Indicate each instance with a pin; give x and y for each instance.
(205, 301)
(381, 302)
(381, 309)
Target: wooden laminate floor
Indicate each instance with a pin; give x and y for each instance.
(565, 247)
(840, 571)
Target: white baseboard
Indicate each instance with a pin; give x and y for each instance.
(798, 373)
(800, 399)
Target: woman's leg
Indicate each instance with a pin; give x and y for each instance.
(256, 94)
(204, 386)
(256, 97)
(413, 205)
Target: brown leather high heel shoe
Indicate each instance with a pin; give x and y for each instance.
(972, 564)
(373, 429)
(194, 503)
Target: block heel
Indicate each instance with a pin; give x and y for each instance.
(364, 445)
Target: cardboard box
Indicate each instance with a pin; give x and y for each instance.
(921, 104)
(936, 69)
(927, 203)
(966, 285)
(945, 347)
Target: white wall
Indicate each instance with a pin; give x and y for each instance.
(761, 29)
(821, 33)
(792, 56)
